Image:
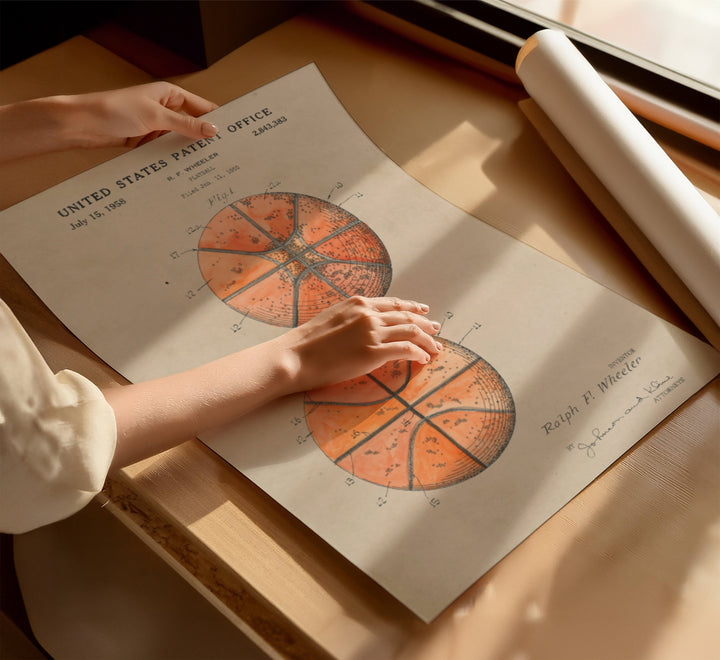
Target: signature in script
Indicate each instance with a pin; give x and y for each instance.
(599, 434)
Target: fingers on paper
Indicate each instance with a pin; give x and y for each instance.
(187, 125)
(410, 341)
(404, 332)
(389, 304)
(192, 104)
(180, 111)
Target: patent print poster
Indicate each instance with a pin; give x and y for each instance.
(177, 253)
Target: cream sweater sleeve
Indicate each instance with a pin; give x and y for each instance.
(57, 435)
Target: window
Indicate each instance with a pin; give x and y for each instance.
(626, 41)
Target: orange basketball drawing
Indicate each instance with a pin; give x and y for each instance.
(414, 427)
(281, 258)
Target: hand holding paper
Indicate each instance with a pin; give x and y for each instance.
(116, 118)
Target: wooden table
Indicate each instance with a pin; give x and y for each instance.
(630, 568)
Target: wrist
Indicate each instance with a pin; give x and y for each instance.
(287, 363)
(38, 126)
(70, 120)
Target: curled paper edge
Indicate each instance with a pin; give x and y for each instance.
(656, 195)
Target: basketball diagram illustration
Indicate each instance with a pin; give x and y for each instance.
(281, 258)
(415, 427)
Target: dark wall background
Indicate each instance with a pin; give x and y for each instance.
(200, 31)
(29, 27)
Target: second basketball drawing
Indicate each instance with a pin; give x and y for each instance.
(413, 427)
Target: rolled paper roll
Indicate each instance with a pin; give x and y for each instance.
(632, 166)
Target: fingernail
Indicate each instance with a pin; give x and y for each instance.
(423, 308)
(435, 325)
(208, 129)
(438, 345)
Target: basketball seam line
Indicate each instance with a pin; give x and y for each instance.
(279, 267)
(413, 411)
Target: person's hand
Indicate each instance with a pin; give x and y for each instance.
(356, 336)
(122, 117)
(349, 339)
(134, 115)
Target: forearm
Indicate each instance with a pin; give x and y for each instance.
(159, 414)
(124, 117)
(349, 339)
(39, 126)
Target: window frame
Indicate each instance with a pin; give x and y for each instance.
(496, 30)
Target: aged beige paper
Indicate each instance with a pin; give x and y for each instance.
(177, 253)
